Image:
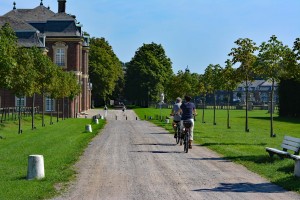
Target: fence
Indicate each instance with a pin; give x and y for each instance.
(11, 113)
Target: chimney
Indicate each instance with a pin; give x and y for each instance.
(61, 6)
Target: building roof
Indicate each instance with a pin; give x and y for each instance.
(40, 20)
(268, 84)
(38, 14)
(17, 24)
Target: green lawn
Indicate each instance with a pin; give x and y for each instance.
(61, 144)
(239, 146)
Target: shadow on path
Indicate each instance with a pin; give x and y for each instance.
(245, 187)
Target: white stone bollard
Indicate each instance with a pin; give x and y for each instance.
(167, 121)
(35, 167)
(88, 128)
(96, 121)
(102, 117)
(297, 167)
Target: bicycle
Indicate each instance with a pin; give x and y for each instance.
(186, 134)
(177, 132)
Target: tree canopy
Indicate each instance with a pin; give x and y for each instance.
(8, 52)
(105, 69)
(148, 73)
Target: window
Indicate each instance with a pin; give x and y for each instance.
(20, 101)
(50, 104)
(60, 54)
(60, 57)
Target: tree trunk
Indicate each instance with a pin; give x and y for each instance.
(271, 111)
(215, 108)
(228, 115)
(246, 126)
(32, 113)
(43, 110)
(203, 109)
(20, 131)
(57, 111)
(63, 109)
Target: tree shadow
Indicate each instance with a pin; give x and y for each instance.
(156, 144)
(158, 152)
(245, 144)
(245, 188)
(261, 159)
(215, 158)
(162, 133)
(280, 119)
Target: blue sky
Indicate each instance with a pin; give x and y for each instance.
(194, 33)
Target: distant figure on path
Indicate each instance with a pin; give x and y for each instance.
(124, 109)
(105, 111)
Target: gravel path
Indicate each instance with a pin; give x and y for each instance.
(133, 159)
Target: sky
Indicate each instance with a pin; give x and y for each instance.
(193, 33)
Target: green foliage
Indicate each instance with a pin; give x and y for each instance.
(245, 149)
(244, 54)
(229, 77)
(270, 58)
(184, 83)
(148, 73)
(214, 78)
(8, 52)
(61, 145)
(105, 69)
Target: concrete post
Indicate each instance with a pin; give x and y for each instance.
(35, 167)
(297, 167)
(88, 128)
(96, 121)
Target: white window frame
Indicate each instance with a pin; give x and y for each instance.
(60, 52)
(48, 103)
(23, 101)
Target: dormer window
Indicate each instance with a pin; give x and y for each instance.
(60, 54)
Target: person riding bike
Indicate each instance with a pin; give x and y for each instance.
(176, 115)
(188, 110)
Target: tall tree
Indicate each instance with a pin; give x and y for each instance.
(105, 69)
(215, 81)
(229, 84)
(270, 58)
(46, 78)
(147, 74)
(8, 52)
(23, 79)
(244, 54)
(203, 89)
(184, 83)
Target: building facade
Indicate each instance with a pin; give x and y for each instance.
(61, 37)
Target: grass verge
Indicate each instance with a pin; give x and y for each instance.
(61, 144)
(246, 148)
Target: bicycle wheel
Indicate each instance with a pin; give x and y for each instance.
(186, 142)
(177, 134)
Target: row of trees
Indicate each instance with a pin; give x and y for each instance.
(29, 71)
(149, 73)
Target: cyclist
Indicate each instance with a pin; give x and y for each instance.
(176, 114)
(188, 111)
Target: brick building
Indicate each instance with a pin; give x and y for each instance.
(61, 37)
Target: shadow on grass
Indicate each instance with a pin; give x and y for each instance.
(279, 119)
(289, 183)
(263, 159)
(218, 159)
(245, 144)
(245, 187)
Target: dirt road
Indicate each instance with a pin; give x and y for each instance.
(135, 160)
